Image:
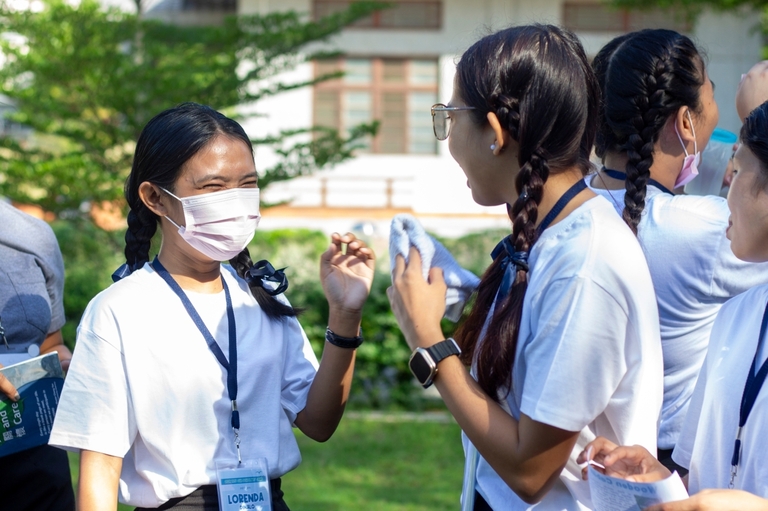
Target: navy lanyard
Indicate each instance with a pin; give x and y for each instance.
(751, 389)
(519, 260)
(561, 203)
(615, 174)
(231, 365)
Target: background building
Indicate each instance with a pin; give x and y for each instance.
(398, 63)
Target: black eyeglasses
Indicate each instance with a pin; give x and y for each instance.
(441, 121)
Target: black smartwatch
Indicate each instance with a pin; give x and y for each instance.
(423, 362)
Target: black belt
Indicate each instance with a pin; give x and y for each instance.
(207, 497)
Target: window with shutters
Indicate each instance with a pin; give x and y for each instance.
(599, 17)
(396, 92)
(229, 6)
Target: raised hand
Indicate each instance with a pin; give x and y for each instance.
(417, 304)
(753, 89)
(346, 276)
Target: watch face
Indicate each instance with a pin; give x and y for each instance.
(421, 367)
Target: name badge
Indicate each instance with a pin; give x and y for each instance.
(243, 486)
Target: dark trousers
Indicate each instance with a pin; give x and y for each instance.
(37, 479)
(480, 503)
(206, 498)
(665, 458)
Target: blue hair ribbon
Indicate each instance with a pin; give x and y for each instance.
(513, 262)
(262, 272)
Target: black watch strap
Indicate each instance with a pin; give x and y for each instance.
(443, 349)
(350, 343)
(423, 361)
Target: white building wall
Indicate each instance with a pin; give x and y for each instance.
(731, 43)
(434, 185)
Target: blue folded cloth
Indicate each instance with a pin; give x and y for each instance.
(405, 232)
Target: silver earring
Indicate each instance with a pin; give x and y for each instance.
(493, 147)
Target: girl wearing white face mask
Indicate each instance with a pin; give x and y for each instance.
(658, 112)
(220, 224)
(185, 365)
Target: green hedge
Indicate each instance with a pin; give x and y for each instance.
(382, 379)
(90, 257)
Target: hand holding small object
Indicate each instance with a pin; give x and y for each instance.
(347, 276)
(633, 463)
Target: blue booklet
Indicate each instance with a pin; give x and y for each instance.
(28, 422)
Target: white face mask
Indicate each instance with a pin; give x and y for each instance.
(220, 224)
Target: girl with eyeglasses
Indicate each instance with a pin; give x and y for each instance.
(657, 115)
(563, 338)
(186, 364)
(722, 440)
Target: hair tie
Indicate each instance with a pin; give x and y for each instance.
(124, 270)
(520, 259)
(513, 262)
(261, 273)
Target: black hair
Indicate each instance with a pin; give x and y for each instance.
(166, 143)
(538, 82)
(754, 135)
(645, 78)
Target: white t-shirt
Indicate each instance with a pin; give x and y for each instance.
(144, 386)
(694, 272)
(588, 356)
(706, 441)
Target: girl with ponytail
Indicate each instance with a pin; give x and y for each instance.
(657, 114)
(185, 363)
(562, 340)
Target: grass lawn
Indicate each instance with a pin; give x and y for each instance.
(376, 466)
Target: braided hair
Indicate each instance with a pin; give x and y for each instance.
(605, 137)
(645, 78)
(537, 81)
(166, 143)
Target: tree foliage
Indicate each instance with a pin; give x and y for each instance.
(85, 79)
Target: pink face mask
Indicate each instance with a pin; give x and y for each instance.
(691, 161)
(220, 224)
